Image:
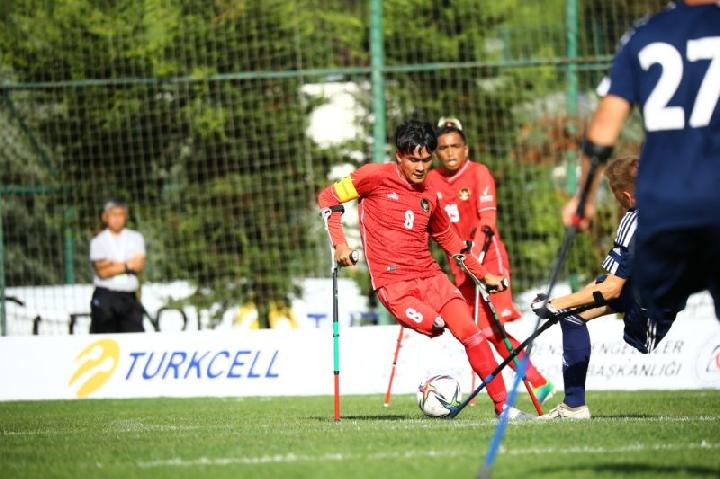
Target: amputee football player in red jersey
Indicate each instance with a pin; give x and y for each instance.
(467, 194)
(398, 214)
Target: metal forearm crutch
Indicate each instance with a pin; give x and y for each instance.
(354, 256)
(482, 291)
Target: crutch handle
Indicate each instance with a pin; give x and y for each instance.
(355, 256)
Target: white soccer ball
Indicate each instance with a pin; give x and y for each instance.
(436, 394)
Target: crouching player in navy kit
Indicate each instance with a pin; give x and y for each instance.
(668, 65)
(398, 214)
(467, 191)
(614, 291)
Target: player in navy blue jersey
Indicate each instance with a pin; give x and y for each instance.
(669, 66)
(616, 287)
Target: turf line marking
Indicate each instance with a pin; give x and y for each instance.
(638, 447)
(425, 423)
(339, 456)
(109, 429)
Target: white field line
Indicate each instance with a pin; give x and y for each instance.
(132, 426)
(340, 456)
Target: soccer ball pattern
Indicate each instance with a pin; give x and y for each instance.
(436, 394)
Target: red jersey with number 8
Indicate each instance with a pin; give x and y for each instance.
(397, 220)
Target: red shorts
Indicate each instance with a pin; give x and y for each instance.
(416, 303)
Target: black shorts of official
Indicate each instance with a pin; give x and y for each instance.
(115, 312)
(671, 265)
(640, 331)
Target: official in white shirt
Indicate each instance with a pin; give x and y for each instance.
(117, 255)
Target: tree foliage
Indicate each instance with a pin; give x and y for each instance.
(194, 111)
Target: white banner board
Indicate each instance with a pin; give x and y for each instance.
(300, 362)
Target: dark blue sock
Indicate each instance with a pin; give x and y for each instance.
(576, 357)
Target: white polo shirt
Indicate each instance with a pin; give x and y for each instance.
(122, 247)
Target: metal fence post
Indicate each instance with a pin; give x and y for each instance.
(3, 320)
(377, 77)
(69, 246)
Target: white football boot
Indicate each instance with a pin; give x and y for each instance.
(515, 414)
(563, 411)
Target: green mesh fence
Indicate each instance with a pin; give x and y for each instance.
(208, 118)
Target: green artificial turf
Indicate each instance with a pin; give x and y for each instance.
(653, 434)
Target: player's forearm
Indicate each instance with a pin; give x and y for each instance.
(574, 300)
(607, 121)
(452, 245)
(327, 199)
(107, 268)
(487, 220)
(604, 130)
(610, 289)
(596, 313)
(136, 264)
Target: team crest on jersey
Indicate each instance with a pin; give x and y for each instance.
(464, 194)
(425, 204)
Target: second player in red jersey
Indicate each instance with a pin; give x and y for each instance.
(466, 190)
(398, 215)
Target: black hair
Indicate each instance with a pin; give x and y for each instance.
(411, 134)
(449, 128)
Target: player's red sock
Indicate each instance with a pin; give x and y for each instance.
(483, 363)
(532, 374)
(481, 358)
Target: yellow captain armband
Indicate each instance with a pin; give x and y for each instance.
(345, 190)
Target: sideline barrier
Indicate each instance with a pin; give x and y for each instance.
(299, 362)
(56, 309)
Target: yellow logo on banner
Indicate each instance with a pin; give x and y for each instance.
(92, 357)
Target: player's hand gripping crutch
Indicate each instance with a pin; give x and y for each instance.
(354, 257)
(481, 290)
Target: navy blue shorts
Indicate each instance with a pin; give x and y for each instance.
(640, 331)
(669, 266)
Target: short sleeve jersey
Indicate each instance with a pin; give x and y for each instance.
(396, 219)
(619, 259)
(669, 65)
(117, 247)
(465, 196)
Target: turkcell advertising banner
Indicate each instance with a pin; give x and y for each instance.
(300, 361)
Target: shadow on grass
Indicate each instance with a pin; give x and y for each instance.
(630, 469)
(363, 418)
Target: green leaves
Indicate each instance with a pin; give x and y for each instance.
(195, 112)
